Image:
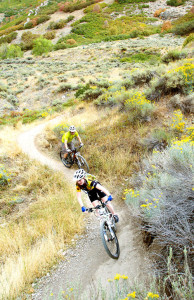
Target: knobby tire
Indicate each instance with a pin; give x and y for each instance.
(66, 163)
(110, 242)
(82, 163)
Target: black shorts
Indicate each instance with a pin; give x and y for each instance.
(96, 194)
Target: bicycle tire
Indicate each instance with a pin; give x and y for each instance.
(114, 227)
(66, 163)
(82, 163)
(109, 240)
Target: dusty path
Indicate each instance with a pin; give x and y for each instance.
(87, 262)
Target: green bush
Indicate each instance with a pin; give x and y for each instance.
(57, 25)
(139, 109)
(189, 39)
(185, 28)
(8, 38)
(175, 2)
(14, 51)
(135, 1)
(41, 45)
(11, 51)
(174, 55)
(27, 38)
(49, 35)
(42, 19)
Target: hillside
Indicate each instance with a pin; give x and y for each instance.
(122, 73)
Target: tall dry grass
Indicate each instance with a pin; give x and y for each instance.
(32, 231)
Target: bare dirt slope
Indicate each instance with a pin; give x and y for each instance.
(87, 262)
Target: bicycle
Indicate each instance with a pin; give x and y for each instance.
(74, 157)
(107, 229)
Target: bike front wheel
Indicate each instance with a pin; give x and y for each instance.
(110, 241)
(82, 163)
(66, 161)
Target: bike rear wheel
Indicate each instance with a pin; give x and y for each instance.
(82, 163)
(110, 241)
(68, 161)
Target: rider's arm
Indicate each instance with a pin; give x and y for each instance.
(79, 139)
(101, 188)
(65, 143)
(79, 199)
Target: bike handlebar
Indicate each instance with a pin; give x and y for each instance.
(91, 209)
(76, 149)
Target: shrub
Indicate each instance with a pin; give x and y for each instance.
(189, 39)
(164, 193)
(141, 76)
(28, 39)
(185, 28)
(178, 123)
(42, 19)
(158, 12)
(41, 45)
(49, 35)
(91, 94)
(14, 51)
(64, 87)
(70, 18)
(175, 2)
(29, 25)
(186, 72)
(8, 38)
(5, 177)
(179, 80)
(71, 42)
(11, 51)
(166, 26)
(174, 55)
(139, 108)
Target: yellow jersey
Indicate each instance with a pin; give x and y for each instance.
(69, 137)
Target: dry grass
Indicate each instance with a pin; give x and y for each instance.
(32, 231)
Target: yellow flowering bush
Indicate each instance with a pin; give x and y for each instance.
(178, 123)
(139, 108)
(186, 71)
(5, 177)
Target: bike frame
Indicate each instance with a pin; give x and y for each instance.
(102, 214)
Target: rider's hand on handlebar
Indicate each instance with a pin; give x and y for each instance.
(83, 208)
(68, 150)
(81, 144)
(110, 198)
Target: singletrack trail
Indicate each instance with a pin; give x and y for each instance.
(86, 263)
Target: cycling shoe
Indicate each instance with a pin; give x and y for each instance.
(116, 218)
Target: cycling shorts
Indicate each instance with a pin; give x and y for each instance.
(95, 194)
(69, 145)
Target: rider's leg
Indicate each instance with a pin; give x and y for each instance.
(65, 150)
(109, 205)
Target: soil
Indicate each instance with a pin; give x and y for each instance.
(86, 263)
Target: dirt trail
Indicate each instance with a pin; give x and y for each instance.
(87, 262)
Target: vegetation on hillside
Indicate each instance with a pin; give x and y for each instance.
(142, 138)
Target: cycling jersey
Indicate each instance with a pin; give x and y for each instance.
(68, 136)
(87, 186)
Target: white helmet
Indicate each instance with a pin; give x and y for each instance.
(79, 174)
(72, 128)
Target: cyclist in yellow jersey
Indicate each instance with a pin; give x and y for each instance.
(96, 192)
(67, 143)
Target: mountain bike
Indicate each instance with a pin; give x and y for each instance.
(74, 157)
(107, 229)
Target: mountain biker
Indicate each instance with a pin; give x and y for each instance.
(94, 189)
(67, 144)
